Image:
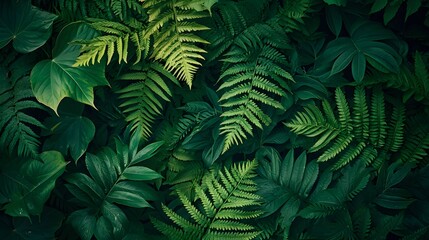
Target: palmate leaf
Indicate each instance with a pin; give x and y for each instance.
(115, 177)
(172, 25)
(53, 80)
(365, 44)
(29, 182)
(223, 207)
(25, 25)
(285, 184)
(70, 134)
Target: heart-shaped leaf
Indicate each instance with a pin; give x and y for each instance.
(27, 26)
(52, 80)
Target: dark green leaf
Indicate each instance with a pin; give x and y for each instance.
(147, 152)
(71, 134)
(85, 221)
(29, 189)
(140, 173)
(358, 67)
(38, 228)
(27, 26)
(128, 199)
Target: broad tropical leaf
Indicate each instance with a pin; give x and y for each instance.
(25, 25)
(52, 80)
(114, 178)
(70, 134)
(29, 182)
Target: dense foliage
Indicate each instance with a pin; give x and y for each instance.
(214, 119)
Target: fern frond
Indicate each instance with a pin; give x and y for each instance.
(412, 80)
(312, 123)
(343, 110)
(377, 121)
(17, 125)
(175, 41)
(341, 143)
(144, 98)
(417, 140)
(360, 115)
(116, 39)
(222, 214)
(351, 153)
(249, 81)
(395, 136)
(356, 135)
(291, 16)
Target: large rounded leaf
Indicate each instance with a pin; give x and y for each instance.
(25, 25)
(53, 80)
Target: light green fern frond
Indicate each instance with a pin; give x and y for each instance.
(116, 39)
(173, 25)
(253, 78)
(221, 215)
(343, 110)
(145, 96)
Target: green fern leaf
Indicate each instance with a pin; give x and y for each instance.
(377, 122)
(353, 136)
(144, 98)
(343, 110)
(251, 77)
(222, 214)
(17, 126)
(395, 136)
(175, 41)
(360, 115)
(117, 40)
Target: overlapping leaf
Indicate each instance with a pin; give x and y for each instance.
(52, 80)
(29, 182)
(115, 177)
(366, 44)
